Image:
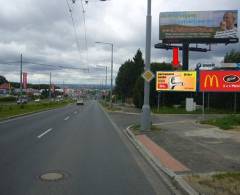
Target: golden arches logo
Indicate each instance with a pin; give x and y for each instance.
(211, 79)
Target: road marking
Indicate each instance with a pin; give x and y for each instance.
(75, 112)
(66, 118)
(44, 133)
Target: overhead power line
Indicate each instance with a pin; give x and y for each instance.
(74, 26)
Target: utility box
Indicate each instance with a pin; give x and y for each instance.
(190, 105)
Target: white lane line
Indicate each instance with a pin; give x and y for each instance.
(44, 133)
(66, 118)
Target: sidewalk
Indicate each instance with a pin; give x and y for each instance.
(186, 147)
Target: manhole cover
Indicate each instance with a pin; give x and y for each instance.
(52, 176)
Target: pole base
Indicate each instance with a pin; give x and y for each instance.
(146, 118)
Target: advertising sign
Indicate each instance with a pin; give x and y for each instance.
(220, 81)
(24, 80)
(176, 81)
(199, 24)
(175, 61)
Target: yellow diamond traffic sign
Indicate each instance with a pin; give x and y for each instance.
(148, 75)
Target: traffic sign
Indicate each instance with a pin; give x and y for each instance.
(148, 75)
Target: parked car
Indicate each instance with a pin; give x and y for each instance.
(37, 100)
(80, 102)
(22, 101)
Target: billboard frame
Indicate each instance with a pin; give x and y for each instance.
(171, 91)
(187, 41)
(213, 91)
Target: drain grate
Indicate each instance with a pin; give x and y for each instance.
(52, 176)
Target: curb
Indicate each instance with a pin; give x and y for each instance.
(178, 180)
(28, 113)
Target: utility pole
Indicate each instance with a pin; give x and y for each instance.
(111, 44)
(146, 116)
(50, 86)
(106, 87)
(21, 88)
(111, 77)
(63, 89)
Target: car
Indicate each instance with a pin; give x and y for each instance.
(22, 101)
(80, 102)
(37, 100)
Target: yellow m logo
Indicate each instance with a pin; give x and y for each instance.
(211, 79)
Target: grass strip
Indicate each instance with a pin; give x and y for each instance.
(7, 111)
(226, 122)
(220, 184)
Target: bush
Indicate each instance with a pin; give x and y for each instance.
(8, 99)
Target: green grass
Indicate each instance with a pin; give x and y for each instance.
(220, 184)
(226, 123)
(230, 175)
(14, 109)
(136, 129)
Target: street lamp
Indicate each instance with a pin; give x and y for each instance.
(146, 114)
(111, 44)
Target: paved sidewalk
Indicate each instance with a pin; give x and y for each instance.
(162, 155)
(199, 148)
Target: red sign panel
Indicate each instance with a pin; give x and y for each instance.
(220, 81)
(24, 80)
(175, 61)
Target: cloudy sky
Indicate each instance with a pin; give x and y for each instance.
(43, 31)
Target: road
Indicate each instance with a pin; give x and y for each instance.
(81, 146)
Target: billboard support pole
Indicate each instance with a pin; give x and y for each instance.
(185, 55)
(235, 102)
(158, 100)
(208, 101)
(203, 105)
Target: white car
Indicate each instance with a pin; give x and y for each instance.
(80, 102)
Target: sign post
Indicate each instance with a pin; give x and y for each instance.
(203, 105)
(158, 100)
(235, 102)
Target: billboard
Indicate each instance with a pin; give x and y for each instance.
(24, 80)
(176, 81)
(219, 81)
(199, 24)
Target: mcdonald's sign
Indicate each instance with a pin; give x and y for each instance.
(219, 81)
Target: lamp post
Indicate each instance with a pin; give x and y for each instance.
(111, 44)
(146, 116)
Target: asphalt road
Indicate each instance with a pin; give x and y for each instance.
(79, 143)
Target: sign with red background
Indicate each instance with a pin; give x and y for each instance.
(220, 81)
(25, 80)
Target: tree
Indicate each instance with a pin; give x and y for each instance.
(128, 74)
(138, 92)
(232, 57)
(3, 80)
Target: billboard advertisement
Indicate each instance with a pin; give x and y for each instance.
(199, 24)
(24, 80)
(219, 81)
(176, 81)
